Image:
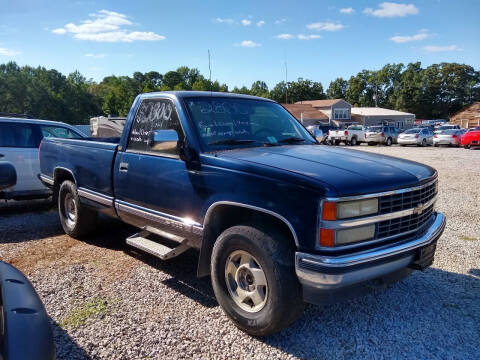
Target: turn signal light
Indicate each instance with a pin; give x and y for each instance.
(327, 237)
(329, 211)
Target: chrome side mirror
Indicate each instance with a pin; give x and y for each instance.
(163, 140)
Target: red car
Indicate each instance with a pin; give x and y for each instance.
(471, 138)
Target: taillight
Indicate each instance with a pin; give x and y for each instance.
(39, 151)
(383, 134)
(417, 136)
(453, 136)
(435, 136)
(346, 133)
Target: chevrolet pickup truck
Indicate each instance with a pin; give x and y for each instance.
(278, 219)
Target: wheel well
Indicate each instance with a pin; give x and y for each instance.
(225, 216)
(59, 176)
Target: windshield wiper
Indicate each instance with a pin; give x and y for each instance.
(232, 142)
(291, 140)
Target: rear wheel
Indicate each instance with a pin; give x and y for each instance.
(372, 143)
(424, 142)
(353, 141)
(389, 142)
(76, 219)
(254, 280)
(337, 142)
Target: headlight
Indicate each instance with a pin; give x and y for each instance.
(354, 235)
(349, 209)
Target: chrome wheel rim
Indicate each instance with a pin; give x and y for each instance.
(246, 281)
(70, 209)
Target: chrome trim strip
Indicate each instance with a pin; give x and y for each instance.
(386, 193)
(47, 179)
(95, 196)
(185, 224)
(342, 224)
(433, 232)
(206, 220)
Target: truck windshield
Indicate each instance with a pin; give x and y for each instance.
(234, 122)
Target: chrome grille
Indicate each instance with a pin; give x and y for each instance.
(404, 224)
(408, 200)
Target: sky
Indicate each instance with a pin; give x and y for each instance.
(248, 40)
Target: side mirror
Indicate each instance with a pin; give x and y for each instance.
(164, 140)
(8, 175)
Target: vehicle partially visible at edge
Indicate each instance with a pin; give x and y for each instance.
(471, 139)
(19, 142)
(382, 134)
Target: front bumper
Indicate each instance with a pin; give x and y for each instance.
(322, 277)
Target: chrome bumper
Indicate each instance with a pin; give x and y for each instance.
(324, 273)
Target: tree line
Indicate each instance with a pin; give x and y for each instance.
(436, 91)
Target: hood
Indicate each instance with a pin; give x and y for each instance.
(348, 171)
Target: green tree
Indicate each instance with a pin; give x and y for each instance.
(337, 89)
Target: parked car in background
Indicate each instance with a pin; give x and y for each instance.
(451, 137)
(320, 132)
(416, 136)
(19, 142)
(471, 138)
(442, 128)
(382, 134)
(352, 135)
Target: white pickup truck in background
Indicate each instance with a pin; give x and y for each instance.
(352, 135)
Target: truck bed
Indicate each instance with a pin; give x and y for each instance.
(90, 159)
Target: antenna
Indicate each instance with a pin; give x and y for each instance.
(286, 79)
(210, 71)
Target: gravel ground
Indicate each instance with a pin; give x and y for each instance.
(107, 301)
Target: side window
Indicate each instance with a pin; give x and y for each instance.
(154, 115)
(17, 135)
(58, 132)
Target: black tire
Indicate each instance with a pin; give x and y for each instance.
(435, 145)
(372, 144)
(389, 142)
(403, 145)
(424, 142)
(83, 220)
(337, 142)
(353, 141)
(275, 255)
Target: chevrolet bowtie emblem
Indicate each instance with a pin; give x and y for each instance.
(418, 209)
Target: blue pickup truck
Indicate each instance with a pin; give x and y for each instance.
(278, 219)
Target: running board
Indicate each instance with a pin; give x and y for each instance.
(141, 241)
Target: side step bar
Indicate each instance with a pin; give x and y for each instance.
(141, 241)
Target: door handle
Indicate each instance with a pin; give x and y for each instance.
(123, 167)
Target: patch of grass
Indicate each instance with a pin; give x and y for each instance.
(467, 238)
(96, 307)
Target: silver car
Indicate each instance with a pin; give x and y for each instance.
(448, 137)
(382, 134)
(416, 136)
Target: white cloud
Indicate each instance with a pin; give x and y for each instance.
(8, 52)
(284, 36)
(107, 26)
(96, 56)
(224, 20)
(246, 22)
(421, 35)
(325, 26)
(391, 9)
(308, 37)
(260, 23)
(249, 43)
(435, 48)
(59, 31)
(280, 21)
(347, 10)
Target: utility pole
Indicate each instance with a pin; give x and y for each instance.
(286, 79)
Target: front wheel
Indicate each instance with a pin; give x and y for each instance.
(76, 219)
(254, 280)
